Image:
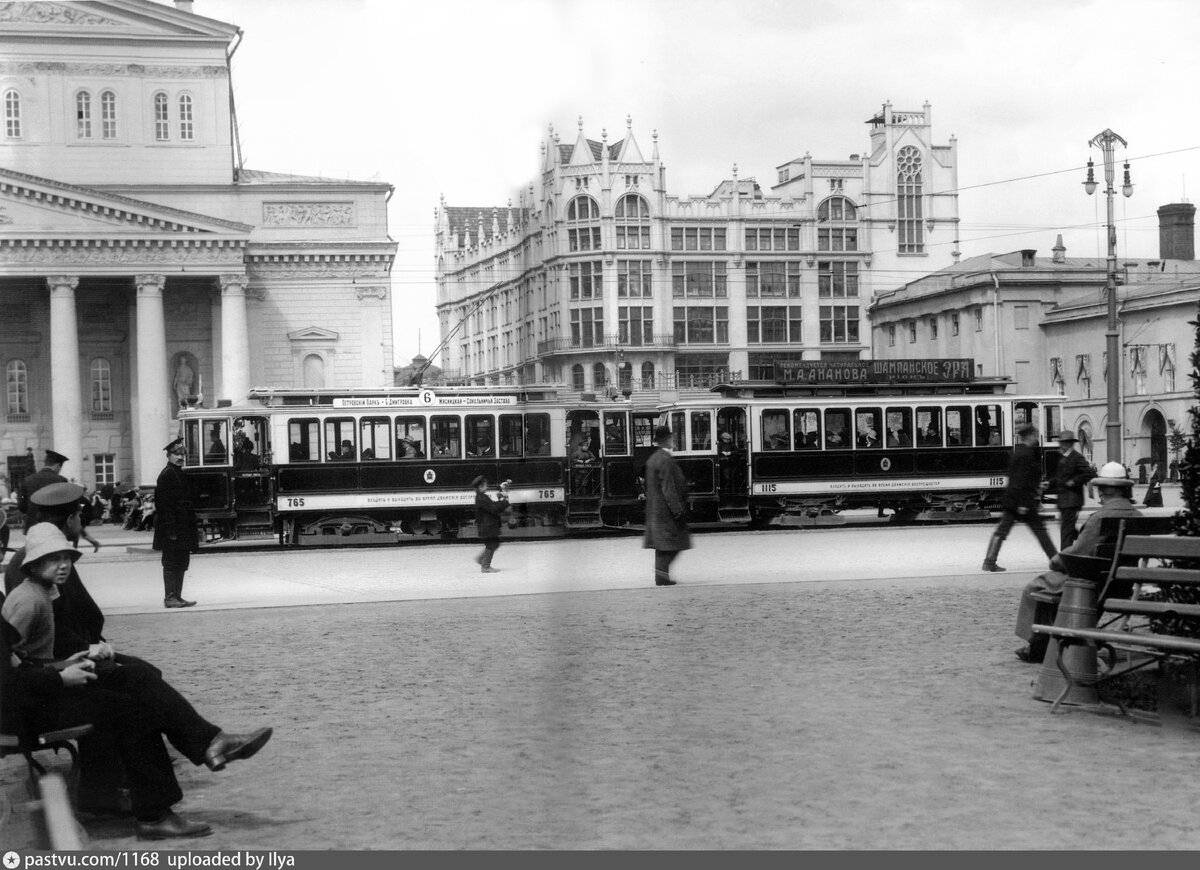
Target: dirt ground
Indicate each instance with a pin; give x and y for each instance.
(848, 715)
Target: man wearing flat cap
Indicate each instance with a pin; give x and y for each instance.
(50, 473)
(174, 524)
(1070, 475)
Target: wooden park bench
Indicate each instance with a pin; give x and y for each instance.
(1140, 632)
(13, 744)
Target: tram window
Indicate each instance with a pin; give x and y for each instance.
(1054, 423)
(616, 439)
(678, 422)
(733, 422)
(929, 426)
(446, 434)
(512, 441)
(304, 443)
(643, 431)
(249, 445)
(339, 438)
(899, 427)
(375, 436)
(988, 425)
(701, 430)
(837, 428)
(868, 423)
(537, 434)
(215, 440)
(775, 433)
(481, 435)
(410, 437)
(958, 426)
(191, 442)
(807, 426)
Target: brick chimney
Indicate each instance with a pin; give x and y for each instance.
(1177, 231)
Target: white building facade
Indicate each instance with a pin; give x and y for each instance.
(142, 266)
(602, 280)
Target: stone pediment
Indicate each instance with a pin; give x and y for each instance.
(312, 333)
(39, 208)
(109, 18)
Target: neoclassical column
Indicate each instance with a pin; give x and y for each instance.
(66, 393)
(153, 413)
(235, 339)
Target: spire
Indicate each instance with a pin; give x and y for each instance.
(496, 223)
(1060, 251)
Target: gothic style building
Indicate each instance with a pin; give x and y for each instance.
(601, 279)
(142, 266)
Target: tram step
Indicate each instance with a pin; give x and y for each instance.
(734, 516)
(584, 521)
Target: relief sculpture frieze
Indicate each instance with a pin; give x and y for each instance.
(308, 214)
(50, 13)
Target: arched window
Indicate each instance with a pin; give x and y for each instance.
(599, 376)
(647, 376)
(837, 211)
(187, 130)
(908, 201)
(625, 377)
(12, 114)
(108, 115)
(632, 223)
(162, 128)
(83, 115)
(1086, 446)
(101, 379)
(16, 376)
(583, 224)
(314, 372)
(577, 377)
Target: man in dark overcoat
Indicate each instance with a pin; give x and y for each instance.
(487, 522)
(175, 529)
(50, 473)
(666, 508)
(1072, 472)
(1022, 498)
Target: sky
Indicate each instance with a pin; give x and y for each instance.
(452, 98)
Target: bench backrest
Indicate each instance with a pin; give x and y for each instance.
(1126, 555)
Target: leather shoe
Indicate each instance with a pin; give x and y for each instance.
(488, 569)
(170, 826)
(664, 582)
(231, 747)
(177, 602)
(1025, 655)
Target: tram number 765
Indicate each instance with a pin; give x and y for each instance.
(295, 502)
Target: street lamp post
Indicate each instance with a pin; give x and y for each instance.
(1105, 142)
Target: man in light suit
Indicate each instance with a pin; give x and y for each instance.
(666, 508)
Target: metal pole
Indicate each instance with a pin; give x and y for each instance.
(1113, 436)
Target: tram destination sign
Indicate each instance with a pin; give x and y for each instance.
(876, 371)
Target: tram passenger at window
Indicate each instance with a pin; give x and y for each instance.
(835, 438)
(345, 454)
(868, 437)
(216, 447)
(897, 437)
(929, 435)
(583, 454)
(408, 449)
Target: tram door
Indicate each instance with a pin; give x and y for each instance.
(732, 455)
(583, 453)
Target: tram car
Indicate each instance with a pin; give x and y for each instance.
(314, 467)
(923, 439)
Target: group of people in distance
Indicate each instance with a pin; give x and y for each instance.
(57, 671)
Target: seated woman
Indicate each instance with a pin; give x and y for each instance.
(134, 705)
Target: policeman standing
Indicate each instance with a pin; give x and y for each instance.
(50, 473)
(174, 524)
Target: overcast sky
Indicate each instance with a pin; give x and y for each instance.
(453, 99)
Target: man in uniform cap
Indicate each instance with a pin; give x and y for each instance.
(1070, 475)
(50, 473)
(174, 524)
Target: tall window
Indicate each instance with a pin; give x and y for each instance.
(933, 329)
(587, 327)
(1166, 366)
(697, 238)
(101, 380)
(701, 324)
(633, 278)
(647, 376)
(599, 376)
(577, 377)
(83, 115)
(773, 279)
(314, 371)
(632, 223)
(908, 201)
(839, 324)
(104, 466)
(773, 239)
(187, 131)
(16, 377)
(837, 279)
(583, 224)
(1137, 368)
(833, 234)
(12, 114)
(635, 325)
(773, 323)
(162, 127)
(697, 279)
(586, 280)
(108, 115)
(954, 323)
(1083, 373)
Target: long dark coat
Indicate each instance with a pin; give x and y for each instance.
(1072, 472)
(1024, 479)
(666, 504)
(487, 515)
(29, 486)
(174, 512)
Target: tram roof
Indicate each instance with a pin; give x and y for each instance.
(272, 397)
(776, 389)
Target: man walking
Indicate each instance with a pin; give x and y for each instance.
(1021, 498)
(174, 524)
(50, 473)
(487, 521)
(666, 508)
(1072, 473)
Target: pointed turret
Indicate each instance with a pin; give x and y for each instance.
(581, 154)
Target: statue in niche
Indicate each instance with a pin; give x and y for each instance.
(185, 378)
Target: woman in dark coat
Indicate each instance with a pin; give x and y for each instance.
(666, 508)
